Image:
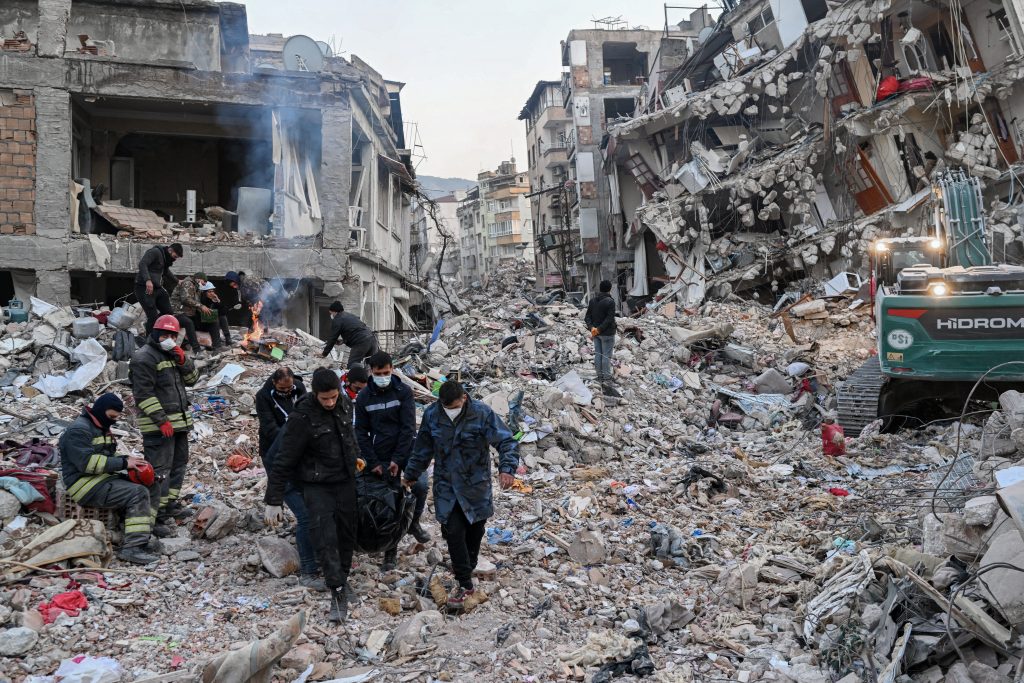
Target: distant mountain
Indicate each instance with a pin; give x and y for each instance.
(435, 187)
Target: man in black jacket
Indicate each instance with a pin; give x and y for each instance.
(317, 449)
(385, 426)
(361, 342)
(600, 319)
(154, 271)
(275, 402)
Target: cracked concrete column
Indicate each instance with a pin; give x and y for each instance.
(336, 173)
(53, 286)
(53, 162)
(53, 27)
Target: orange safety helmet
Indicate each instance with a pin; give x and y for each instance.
(144, 474)
(167, 323)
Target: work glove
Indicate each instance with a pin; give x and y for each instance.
(167, 429)
(594, 331)
(179, 353)
(273, 516)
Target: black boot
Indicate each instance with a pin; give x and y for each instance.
(137, 555)
(390, 560)
(339, 606)
(419, 533)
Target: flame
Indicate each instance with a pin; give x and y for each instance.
(256, 333)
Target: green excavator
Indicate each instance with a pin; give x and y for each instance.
(945, 314)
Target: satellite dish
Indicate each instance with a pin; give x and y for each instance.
(704, 34)
(325, 49)
(301, 53)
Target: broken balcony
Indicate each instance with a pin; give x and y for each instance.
(149, 168)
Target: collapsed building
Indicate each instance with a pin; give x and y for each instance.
(138, 122)
(791, 137)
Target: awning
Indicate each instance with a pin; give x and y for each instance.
(400, 170)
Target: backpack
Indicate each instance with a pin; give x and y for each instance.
(385, 513)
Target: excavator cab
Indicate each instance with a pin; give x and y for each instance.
(891, 255)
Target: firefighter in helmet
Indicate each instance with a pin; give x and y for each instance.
(160, 375)
(96, 476)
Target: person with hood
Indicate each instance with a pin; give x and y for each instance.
(317, 449)
(160, 374)
(457, 432)
(249, 290)
(274, 403)
(154, 273)
(92, 473)
(385, 426)
(600, 318)
(361, 342)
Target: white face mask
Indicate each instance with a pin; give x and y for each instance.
(382, 380)
(452, 413)
(168, 344)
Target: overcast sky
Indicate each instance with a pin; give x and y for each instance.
(468, 65)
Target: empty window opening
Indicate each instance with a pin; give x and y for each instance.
(623, 64)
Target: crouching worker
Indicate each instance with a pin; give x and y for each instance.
(456, 433)
(95, 476)
(317, 450)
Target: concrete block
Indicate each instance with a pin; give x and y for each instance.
(981, 511)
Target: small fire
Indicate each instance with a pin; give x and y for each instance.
(256, 333)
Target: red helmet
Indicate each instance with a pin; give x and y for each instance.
(167, 323)
(144, 475)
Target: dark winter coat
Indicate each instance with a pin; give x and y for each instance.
(316, 447)
(462, 458)
(601, 314)
(272, 411)
(87, 456)
(349, 329)
(159, 385)
(155, 266)
(385, 423)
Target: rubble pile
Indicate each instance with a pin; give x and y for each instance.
(689, 528)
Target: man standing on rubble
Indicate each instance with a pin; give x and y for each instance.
(154, 273)
(274, 403)
(249, 290)
(91, 470)
(213, 317)
(361, 342)
(456, 433)
(160, 374)
(185, 301)
(385, 425)
(318, 450)
(600, 319)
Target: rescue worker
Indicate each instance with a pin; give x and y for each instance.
(249, 290)
(154, 273)
(274, 403)
(456, 433)
(600, 318)
(91, 467)
(361, 342)
(318, 449)
(160, 372)
(187, 307)
(354, 381)
(216, 324)
(385, 426)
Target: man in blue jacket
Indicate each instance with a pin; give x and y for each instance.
(385, 425)
(456, 433)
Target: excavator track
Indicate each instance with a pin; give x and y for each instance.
(858, 397)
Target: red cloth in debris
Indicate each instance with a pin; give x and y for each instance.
(70, 603)
(38, 481)
(889, 86)
(833, 440)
